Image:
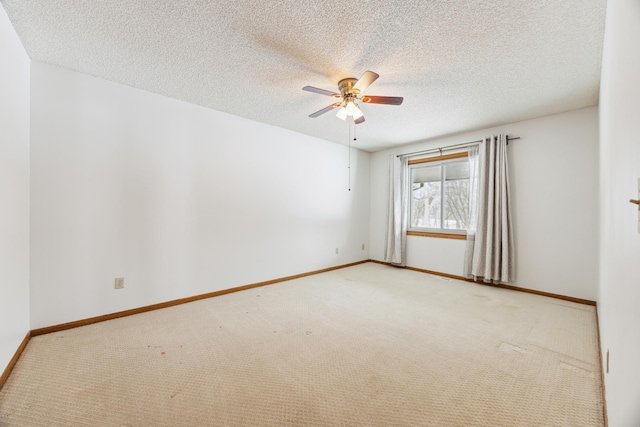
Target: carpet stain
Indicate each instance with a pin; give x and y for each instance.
(510, 348)
(574, 368)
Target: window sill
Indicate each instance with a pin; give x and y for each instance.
(440, 235)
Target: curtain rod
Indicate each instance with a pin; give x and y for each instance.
(450, 147)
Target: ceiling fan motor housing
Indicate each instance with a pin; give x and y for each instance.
(346, 87)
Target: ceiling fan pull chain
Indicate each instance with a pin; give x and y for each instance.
(349, 165)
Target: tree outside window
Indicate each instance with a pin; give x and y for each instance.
(440, 196)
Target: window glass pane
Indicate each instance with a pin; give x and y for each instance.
(456, 206)
(426, 197)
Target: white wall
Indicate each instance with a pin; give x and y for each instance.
(14, 191)
(619, 299)
(179, 199)
(554, 189)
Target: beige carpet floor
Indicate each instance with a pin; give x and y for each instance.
(369, 345)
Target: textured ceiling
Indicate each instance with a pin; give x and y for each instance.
(460, 65)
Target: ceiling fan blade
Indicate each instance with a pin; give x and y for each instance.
(360, 120)
(365, 81)
(320, 91)
(324, 110)
(388, 100)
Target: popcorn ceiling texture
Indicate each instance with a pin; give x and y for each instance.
(459, 65)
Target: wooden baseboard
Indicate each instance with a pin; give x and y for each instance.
(421, 270)
(91, 320)
(495, 285)
(602, 370)
(535, 292)
(14, 359)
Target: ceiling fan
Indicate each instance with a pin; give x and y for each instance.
(350, 92)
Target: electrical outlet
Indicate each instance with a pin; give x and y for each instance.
(337, 250)
(363, 246)
(119, 282)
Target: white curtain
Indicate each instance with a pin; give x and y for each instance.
(490, 247)
(396, 244)
(474, 178)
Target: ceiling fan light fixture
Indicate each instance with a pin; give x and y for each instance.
(351, 107)
(342, 113)
(357, 113)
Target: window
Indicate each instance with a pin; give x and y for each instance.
(440, 194)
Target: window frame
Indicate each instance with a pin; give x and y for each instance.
(433, 232)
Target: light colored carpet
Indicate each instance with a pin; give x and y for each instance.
(369, 345)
